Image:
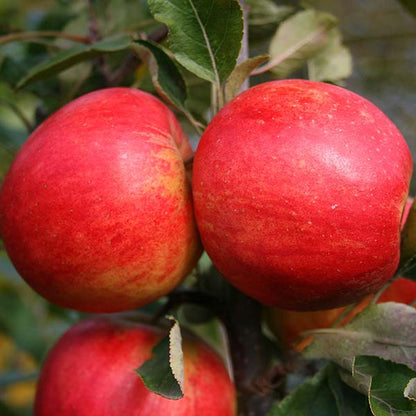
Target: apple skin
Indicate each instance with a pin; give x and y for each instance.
(299, 187)
(91, 372)
(96, 210)
(288, 325)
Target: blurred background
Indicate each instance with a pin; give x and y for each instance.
(378, 61)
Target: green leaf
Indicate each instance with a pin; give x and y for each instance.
(387, 382)
(205, 35)
(386, 330)
(163, 373)
(73, 56)
(264, 12)
(410, 390)
(312, 398)
(298, 39)
(166, 76)
(349, 401)
(240, 73)
(176, 354)
(333, 63)
(325, 394)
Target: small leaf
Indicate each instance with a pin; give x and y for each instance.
(298, 39)
(166, 76)
(264, 12)
(175, 353)
(240, 74)
(387, 382)
(386, 330)
(333, 63)
(163, 373)
(205, 35)
(73, 56)
(410, 390)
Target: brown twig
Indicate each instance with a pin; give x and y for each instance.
(21, 36)
(94, 35)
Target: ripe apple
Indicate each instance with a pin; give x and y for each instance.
(288, 325)
(91, 372)
(96, 210)
(299, 188)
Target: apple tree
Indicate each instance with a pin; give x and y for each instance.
(210, 208)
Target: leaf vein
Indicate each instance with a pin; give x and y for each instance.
(208, 45)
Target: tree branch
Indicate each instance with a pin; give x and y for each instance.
(22, 36)
(255, 376)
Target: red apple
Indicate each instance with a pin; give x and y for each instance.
(288, 326)
(299, 188)
(96, 211)
(91, 372)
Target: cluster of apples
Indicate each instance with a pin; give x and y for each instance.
(297, 194)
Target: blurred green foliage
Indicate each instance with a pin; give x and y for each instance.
(379, 35)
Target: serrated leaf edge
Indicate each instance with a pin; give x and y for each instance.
(176, 354)
(406, 392)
